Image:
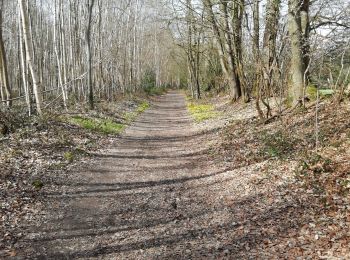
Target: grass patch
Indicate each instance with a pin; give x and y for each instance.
(68, 156)
(131, 116)
(143, 107)
(106, 126)
(202, 112)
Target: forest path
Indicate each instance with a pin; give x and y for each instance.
(147, 197)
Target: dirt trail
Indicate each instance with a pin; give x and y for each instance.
(158, 193)
(140, 199)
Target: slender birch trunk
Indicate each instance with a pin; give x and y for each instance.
(3, 64)
(90, 5)
(29, 54)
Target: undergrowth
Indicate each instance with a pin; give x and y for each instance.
(131, 116)
(106, 126)
(155, 91)
(277, 144)
(202, 112)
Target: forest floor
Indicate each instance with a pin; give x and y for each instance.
(171, 188)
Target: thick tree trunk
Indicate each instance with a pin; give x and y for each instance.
(237, 20)
(230, 50)
(297, 57)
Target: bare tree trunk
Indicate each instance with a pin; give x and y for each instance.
(3, 63)
(56, 42)
(228, 73)
(24, 68)
(90, 5)
(305, 30)
(256, 52)
(29, 54)
(268, 57)
(270, 34)
(237, 20)
(230, 49)
(193, 51)
(297, 59)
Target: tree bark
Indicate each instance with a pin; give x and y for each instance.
(24, 67)
(256, 52)
(90, 5)
(3, 63)
(29, 54)
(297, 57)
(229, 74)
(230, 50)
(270, 34)
(237, 20)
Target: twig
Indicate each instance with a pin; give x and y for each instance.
(53, 101)
(3, 139)
(316, 119)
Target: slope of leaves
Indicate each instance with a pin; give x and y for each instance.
(320, 181)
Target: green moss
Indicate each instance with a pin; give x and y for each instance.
(311, 92)
(327, 92)
(110, 127)
(106, 126)
(202, 112)
(289, 101)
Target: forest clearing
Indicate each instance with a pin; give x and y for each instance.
(175, 129)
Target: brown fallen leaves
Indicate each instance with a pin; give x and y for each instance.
(320, 182)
